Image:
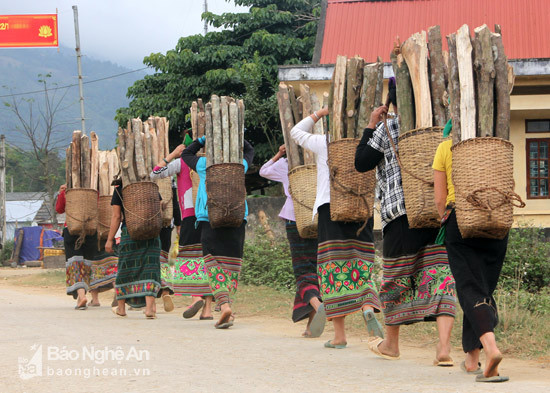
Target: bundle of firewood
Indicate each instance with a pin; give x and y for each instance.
(474, 76)
(356, 90)
(87, 166)
(222, 122)
(292, 109)
(141, 146)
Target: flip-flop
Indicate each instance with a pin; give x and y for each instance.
(206, 318)
(477, 371)
(84, 307)
(90, 304)
(154, 316)
(493, 379)
(193, 310)
(373, 346)
(329, 344)
(167, 302)
(318, 322)
(373, 326)
(225, 325)
(444, 363)
(115, 311)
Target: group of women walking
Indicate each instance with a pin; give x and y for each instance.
(334, 273)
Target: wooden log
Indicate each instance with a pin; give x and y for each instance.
(122, 141)
(209, 133)
(161, 137)
(194, 119)
(154, 145)
(437, 76)
(166, 124)
(234, 133)
(325, 120)
(502, 89)
(287, 123)
(368, 95)
(201, 119)
(466, 77)
(129, 160)
(104, 183)
(315, 106)
(85, 161)
(454, 88)
(68, 166)
(226, 135)
(94, 160)
(75, 160)
(378, 101)
(139, 154)
(415, 53)
(240, 104)
(216, 144)
(112, 162)
(294, 104)
(404, 93)
(307, 105)
(338, 99)
(146, 138)
(354, 81)
(485, 81)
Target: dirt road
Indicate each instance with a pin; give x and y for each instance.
(40, 330)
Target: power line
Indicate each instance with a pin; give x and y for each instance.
(73, 84)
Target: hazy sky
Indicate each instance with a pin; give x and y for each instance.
(123, 31)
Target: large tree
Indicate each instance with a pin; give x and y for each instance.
(240, 60)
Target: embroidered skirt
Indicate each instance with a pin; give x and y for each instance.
(78, 265)
(304, 265)
(138, 269)
(104, 270)
(417, 283)
(166, 268)
(345, 263)
(223, 255)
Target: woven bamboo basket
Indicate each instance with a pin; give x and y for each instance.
(303, 188)
(81, 212)
(104, 214)
(195, 181)
(351, 192)
(226, 195)
(416, 153)
(142, 210)
(165, 190)
(484, 187)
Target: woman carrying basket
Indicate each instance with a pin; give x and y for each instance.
(303, 251)
(476, 264)
(345, 259)
(417, 284)
(222, 247)
(189, 274)
(138, 279)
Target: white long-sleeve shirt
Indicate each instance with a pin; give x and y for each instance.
(301, 133)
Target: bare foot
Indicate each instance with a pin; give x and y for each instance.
(443, 352)
(306, 333)
(384, 348)
(225, 317)
(492, 361)
(94, 304)
(81, 302)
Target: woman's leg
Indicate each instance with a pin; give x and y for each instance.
(121, 308)
(95, 297)
(149, 306)
(207, 308)
(339, 324)
(444, 327)
(81, 297)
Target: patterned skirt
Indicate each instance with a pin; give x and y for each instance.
(78, 265)
(165, 265)
(138, 269)
(345, 263)
(304, 265)
(417, 283)
(104, 271)
(223, 255)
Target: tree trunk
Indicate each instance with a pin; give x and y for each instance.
(226, 132)
(209, 133)
(216, 143)
(466, 77)
(76, 158)
(85, 161)
(437, 76)
(287, 123)
(339, 98)
(404, 93)
(354, 80)
(240, 104)
(94, 159)
(68, 166)
(415, 53)
(368, 96)
(485, 81)
(454, 88)
(502, 90)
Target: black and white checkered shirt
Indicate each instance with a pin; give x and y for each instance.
(389, 187)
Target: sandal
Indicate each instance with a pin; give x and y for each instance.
(373, 346)
(193, 309)
(318, 322)
(225, 325)
(115, 311)
(477, 371)
(168, 303)
(329, 344)
(373, 326)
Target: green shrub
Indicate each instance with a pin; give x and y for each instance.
(6, 251)
(267, 263)
(527, 263)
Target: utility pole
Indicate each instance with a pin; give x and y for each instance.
(2, 190)
(79, 65)
(205, 23)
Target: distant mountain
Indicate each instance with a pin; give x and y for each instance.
(19, 69)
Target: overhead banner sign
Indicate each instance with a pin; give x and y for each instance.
(21, 31)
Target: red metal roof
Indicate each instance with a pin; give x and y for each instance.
(368, 28)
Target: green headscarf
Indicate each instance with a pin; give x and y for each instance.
(187, 140)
